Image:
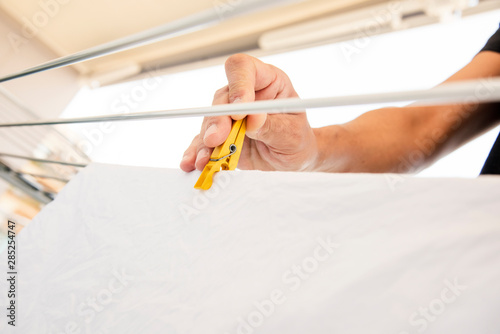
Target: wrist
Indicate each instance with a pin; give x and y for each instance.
(331, 144)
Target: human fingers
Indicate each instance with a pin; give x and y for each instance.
(189, 158)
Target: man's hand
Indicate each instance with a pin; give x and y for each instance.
(385, 140)
(274, 142)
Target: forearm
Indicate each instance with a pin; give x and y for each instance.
(375, 142)
(399, 140)
(411, 138)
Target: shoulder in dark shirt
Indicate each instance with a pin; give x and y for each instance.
(492, 164)
(493, 43)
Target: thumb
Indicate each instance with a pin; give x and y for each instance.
(215, 130)
(241, 72)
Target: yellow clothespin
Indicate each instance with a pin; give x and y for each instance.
(225, 156)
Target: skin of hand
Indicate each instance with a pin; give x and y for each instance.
(273, 142)
(393, 140)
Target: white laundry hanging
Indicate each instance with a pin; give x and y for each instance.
(138, 250)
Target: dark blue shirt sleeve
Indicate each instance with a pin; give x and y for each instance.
(493, 43)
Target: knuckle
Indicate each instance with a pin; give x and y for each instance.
(212, 120)
(200, 146)
(194, 143)
(237, 60)
(220, 92)
(238, 91)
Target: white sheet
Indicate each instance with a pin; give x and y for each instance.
(138, 250)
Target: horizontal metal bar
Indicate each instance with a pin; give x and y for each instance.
(15, 180)
(474, 91)
(205, 18)
(42, 176)
(19, 104)
(65, 163)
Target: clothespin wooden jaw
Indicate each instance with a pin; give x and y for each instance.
(225, 156)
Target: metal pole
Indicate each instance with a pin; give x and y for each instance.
(65, 163)
(190, 23)
(19, 104)
(474, 91)
(42, 176)
(15, 180)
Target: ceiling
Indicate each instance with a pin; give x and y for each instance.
(68, 26)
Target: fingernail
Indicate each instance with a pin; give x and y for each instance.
(237, 100)
(210, 131)
(202, 154)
